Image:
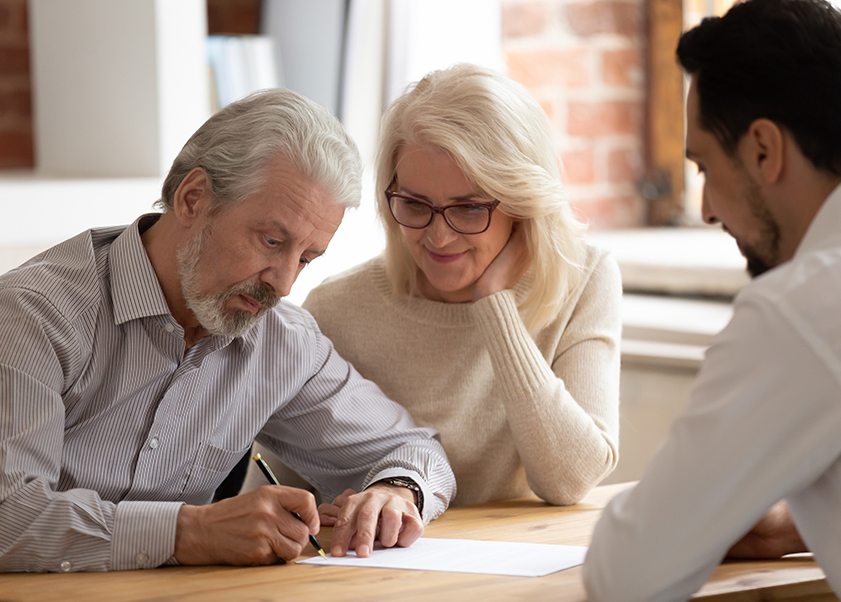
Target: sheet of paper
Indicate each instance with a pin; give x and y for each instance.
(467, 556)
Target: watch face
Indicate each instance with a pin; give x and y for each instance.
(408, 484)
(404, 483)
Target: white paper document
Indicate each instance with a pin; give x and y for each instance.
(467, 556)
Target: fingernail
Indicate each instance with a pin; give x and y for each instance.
(336, 551)
(363, 551)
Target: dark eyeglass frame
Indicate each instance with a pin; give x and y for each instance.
(390, 194)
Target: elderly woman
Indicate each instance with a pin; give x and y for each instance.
(488, 316)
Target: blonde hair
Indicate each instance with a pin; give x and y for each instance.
(501, 140)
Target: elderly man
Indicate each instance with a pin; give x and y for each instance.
(764, 420)
(138, 363)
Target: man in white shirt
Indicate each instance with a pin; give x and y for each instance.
(764, 420)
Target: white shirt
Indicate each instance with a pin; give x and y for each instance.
(763, 424)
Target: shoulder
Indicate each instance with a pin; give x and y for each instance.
(367, 280)
(600, 274)
(600, 262)
(288, 336)
(806, 291)
(596, 299)
(67, 277)
(290, 318)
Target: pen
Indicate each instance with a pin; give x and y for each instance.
(270, 476)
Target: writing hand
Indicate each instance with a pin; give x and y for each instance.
(507, 268)
(254, 528)
(773, 536)
(382, 511)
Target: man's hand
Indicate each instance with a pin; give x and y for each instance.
(773, 536)
(253, 528)
(507, 268)
(382, 511)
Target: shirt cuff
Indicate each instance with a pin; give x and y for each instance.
(425, 489)
(144, 534)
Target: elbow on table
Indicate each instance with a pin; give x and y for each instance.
(571, 488)
(568, 492)
(566, 495)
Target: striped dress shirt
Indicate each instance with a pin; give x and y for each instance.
(107, 426)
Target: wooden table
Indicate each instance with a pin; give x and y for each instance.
(516, 520)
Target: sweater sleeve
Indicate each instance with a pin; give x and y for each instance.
(564, 416)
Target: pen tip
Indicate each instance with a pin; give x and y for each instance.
(323, 555)
(256, 457)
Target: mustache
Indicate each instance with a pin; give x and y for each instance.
(259, 292)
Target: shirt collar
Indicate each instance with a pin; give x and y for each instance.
(825, 229)
(135, 290)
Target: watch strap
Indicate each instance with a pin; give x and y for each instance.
(408, 483)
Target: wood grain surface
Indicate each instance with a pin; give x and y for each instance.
(531, 520)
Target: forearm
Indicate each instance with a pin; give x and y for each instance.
(46, 531)
(426, 464)
(564, 449)
(354, 435)
(564, 452)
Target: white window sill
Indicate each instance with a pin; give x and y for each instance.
(681, 261)
(669, 332)
(678, 283)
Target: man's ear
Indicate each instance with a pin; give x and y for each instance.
(192, 197)
(763, 150)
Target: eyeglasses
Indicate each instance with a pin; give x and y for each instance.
(464, 218)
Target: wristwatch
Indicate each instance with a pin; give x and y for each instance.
(408, 484)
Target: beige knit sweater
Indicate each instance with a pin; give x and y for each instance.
(516, 414)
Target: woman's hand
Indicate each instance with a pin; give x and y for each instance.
(507, 268)
(328, 513)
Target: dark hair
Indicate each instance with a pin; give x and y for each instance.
(773, 59)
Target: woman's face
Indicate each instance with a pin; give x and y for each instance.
(449, 262)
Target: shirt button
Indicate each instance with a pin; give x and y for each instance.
(169, 327)
(65, 566)
(154, 443)
(142, 558)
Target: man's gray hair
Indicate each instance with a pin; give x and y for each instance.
(237, 144)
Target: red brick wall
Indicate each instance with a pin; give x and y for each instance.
(583, 61)
(15, 87)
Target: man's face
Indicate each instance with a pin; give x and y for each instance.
(731, 196)
(243, 259)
